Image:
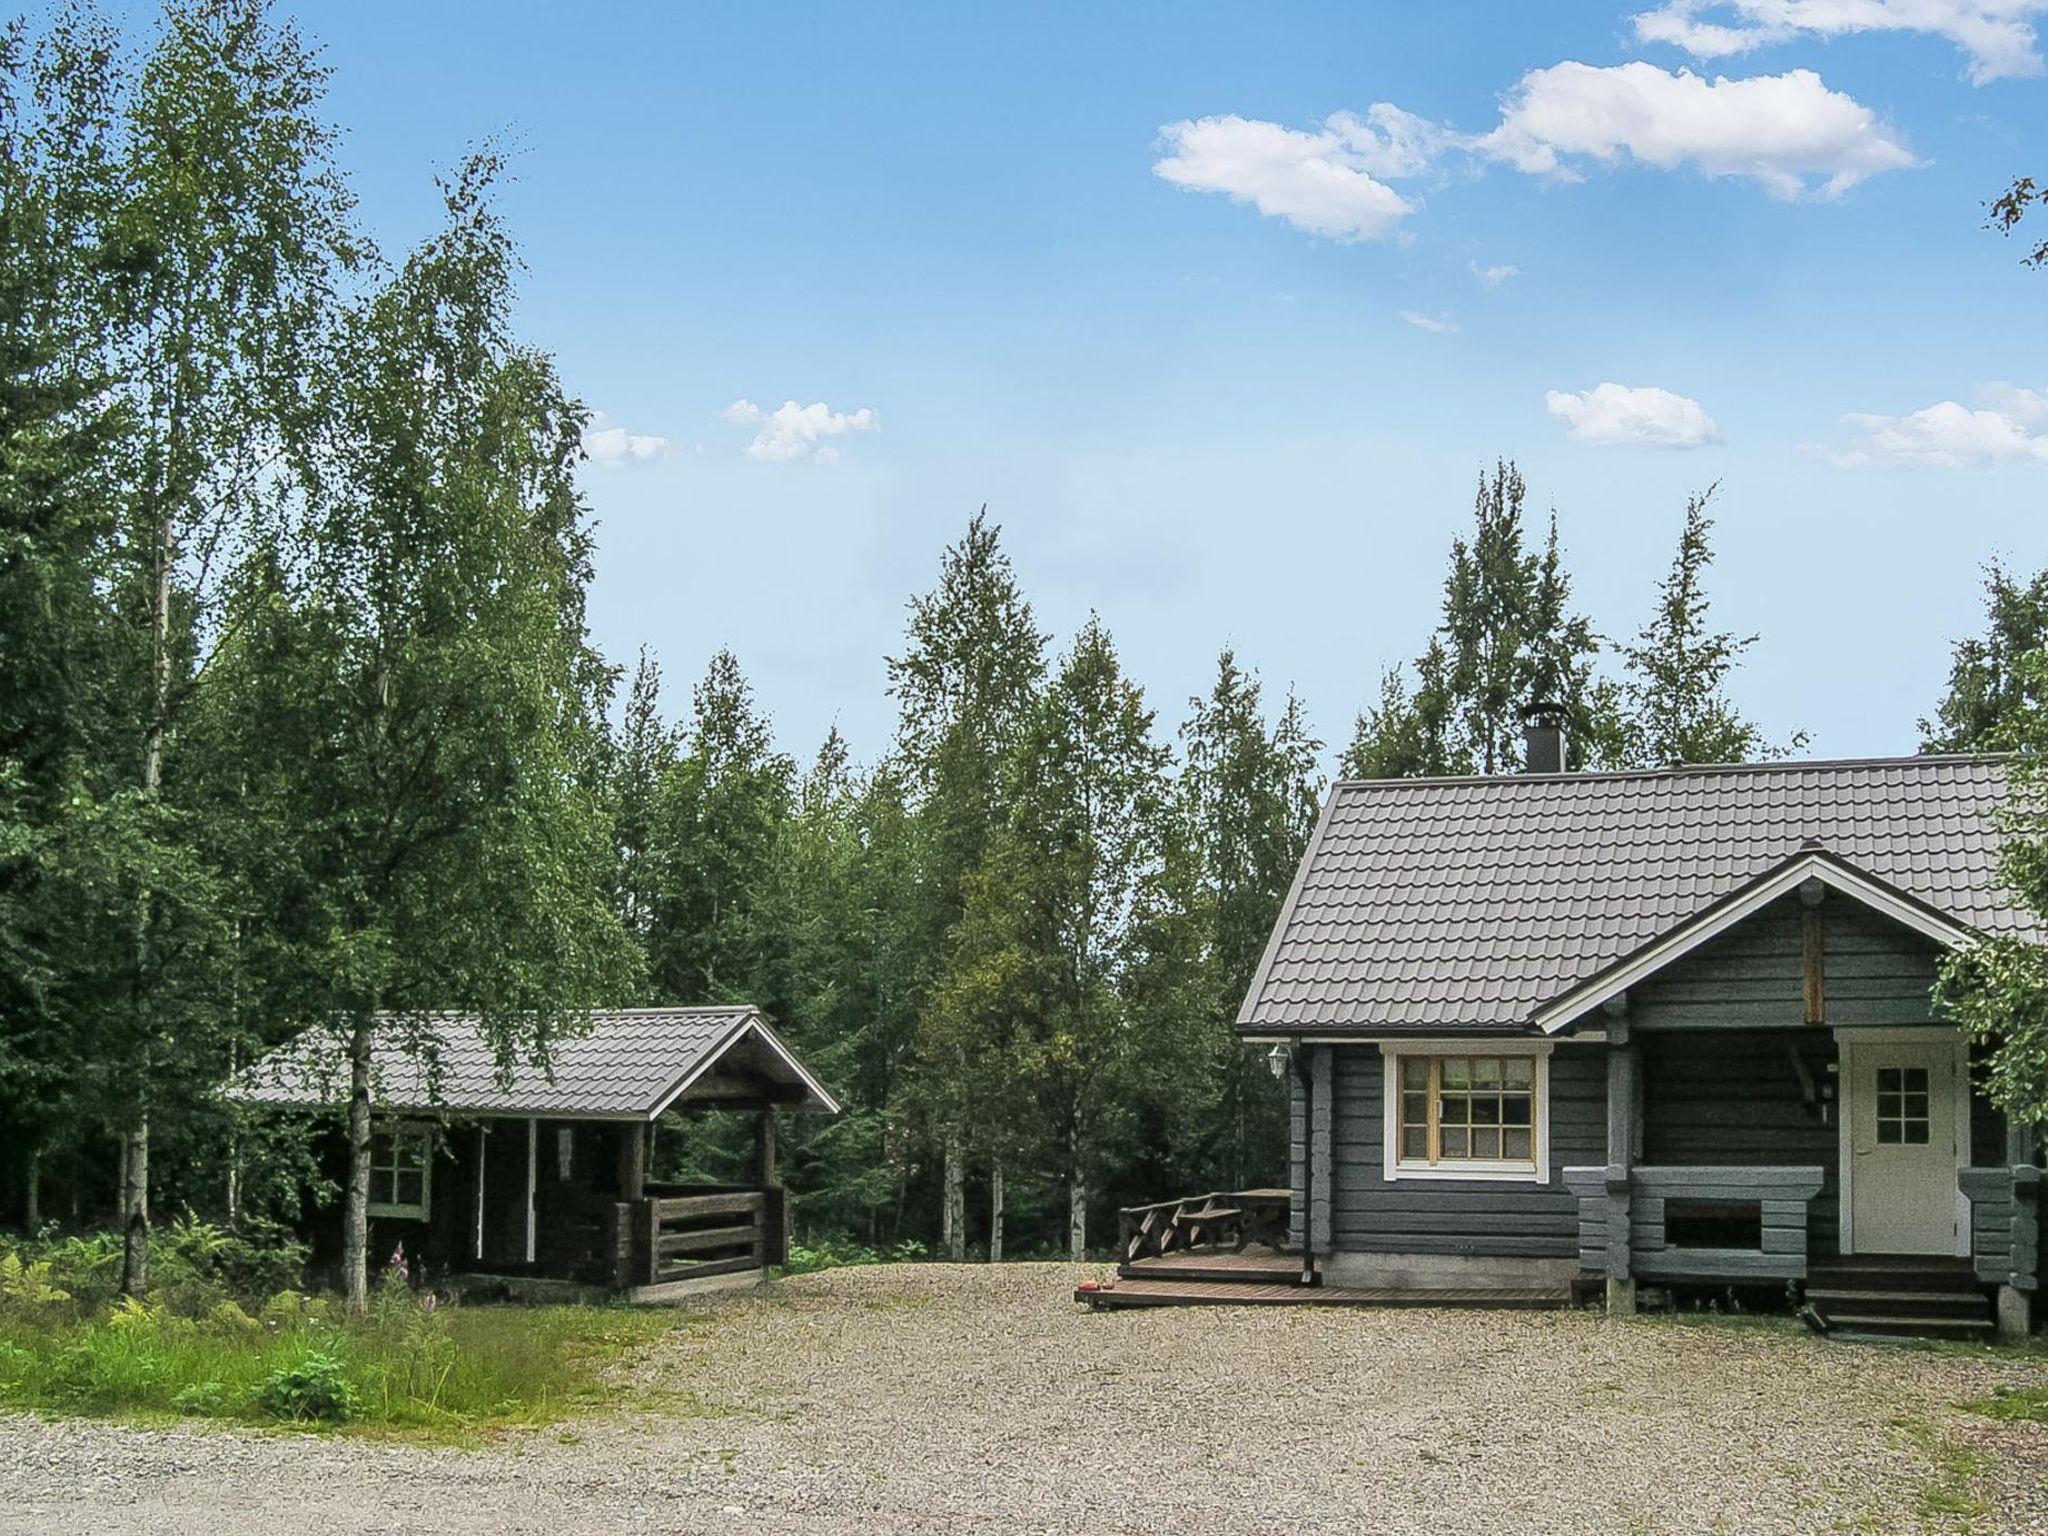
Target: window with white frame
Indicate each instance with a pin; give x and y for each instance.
(1466, 1114)
(401, 1172)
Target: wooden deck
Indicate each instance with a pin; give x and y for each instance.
(1256, 1293)
(1261, 1277)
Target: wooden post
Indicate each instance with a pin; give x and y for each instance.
(764, 1146)
(1316, 1220)
(1621, 1114)
(482, 1158)
(632, 1159)
(1813, 945)
(532, 1185)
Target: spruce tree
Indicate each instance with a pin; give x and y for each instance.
(966, 684)
(1250, 793)
(1508, 638)
(1676, 690)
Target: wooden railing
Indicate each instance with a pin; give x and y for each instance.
(1774, 1199)
(1222, 1217)
(685, 1233)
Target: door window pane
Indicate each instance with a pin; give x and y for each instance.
(1902, 1107)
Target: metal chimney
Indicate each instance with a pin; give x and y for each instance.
(1543, 737)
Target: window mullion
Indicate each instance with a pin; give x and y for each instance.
(1435, 1108)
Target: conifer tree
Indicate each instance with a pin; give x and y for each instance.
(1676, 691)
(1508, 638)
(1250, 793)
(966, 684)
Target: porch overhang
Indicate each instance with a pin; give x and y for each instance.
(1815, 864)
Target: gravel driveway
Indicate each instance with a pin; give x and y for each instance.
(936, 1398)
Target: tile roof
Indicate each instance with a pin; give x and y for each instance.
(626, 1063)
(1444, 904)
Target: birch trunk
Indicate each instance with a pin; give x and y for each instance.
(995, 1212)
(32, 1193)
(1077, 1201)
(135, 1139)
(953, 1222)
(355, 1210)
(135, 1208)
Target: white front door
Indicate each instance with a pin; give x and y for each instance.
(1903, 1141)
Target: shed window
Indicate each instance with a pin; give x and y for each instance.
(1460, 1114)
(401, 1172)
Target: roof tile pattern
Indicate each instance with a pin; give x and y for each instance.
(1451, 904)
(625, 1063)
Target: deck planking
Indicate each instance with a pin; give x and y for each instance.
(1254, 1293)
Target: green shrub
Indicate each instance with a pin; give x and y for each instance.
(202, 1400)
(314, 1389)
(828, 1254)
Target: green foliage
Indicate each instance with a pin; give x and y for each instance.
(311, 1389)
(1678, 668)
(1997, 988)
(1992, 689)
(408, 1365)
(1508, 638)
(2011, 206)
(828, 1253)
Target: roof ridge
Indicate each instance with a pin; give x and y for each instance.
(1690, 770)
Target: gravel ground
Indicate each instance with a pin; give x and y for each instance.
(936, 1398)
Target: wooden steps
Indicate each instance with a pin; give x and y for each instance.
(1898, 1296)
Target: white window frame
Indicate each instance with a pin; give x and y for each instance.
(402, 1210)
(1393, 1052)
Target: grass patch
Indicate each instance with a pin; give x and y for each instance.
(1951, 1493)
(444, 1373)
(2024, 1404)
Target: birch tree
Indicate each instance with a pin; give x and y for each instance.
(229, 233)
(413, 703)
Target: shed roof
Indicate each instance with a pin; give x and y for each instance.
(624, 1064)
(1441, 905)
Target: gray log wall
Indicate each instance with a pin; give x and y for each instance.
(1369, 1213)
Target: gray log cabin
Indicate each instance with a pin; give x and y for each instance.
(537, 1185)
(1663, 1028)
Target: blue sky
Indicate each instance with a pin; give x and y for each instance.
(1192, 398)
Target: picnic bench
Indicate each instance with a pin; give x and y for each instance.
(1233, 1218)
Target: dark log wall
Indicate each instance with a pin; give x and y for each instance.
(1735, 1097)
(1370, 1213)
(1877, 973)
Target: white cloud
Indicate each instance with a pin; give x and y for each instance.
(1440, 325)
(2011, 427)
(609, 445)
(1787, 132)
(793, 431)
(1614, 414)
(1995, 34)
(1493, 277)
(1325, 183)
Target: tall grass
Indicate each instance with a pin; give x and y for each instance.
(408, 1366)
